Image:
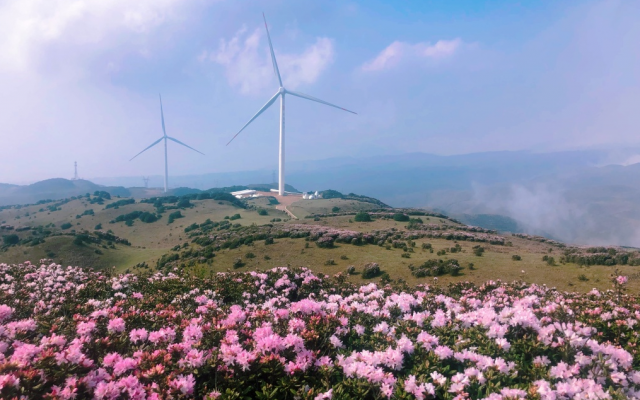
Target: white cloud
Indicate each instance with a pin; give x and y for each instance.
(248, 64)
(26, 26)
(398, 51)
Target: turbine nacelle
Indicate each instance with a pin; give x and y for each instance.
(282, 90)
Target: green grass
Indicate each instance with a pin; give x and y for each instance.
(496, 263)
(149, 241)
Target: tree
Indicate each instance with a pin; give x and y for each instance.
(362, 217)
(331, 194)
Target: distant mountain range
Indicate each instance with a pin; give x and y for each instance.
(60, 188)
(57, 188)
(571, 196)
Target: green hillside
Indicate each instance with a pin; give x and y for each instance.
(208, 232)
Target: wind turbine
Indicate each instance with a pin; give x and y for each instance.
(281, 93)
(165, 138)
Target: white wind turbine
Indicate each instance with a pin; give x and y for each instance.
(165, 137)
(280, 93)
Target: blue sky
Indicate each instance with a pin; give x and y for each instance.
(79, 80)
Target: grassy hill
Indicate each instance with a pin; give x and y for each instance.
(212, 232)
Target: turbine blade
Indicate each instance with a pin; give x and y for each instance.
(269, 103)
(152, 144)
(162, 116)
(305, 96)
(273, 55)
(179, 142)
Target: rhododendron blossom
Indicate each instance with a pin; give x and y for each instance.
(68, 333)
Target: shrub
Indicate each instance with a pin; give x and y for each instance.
(11, 240)
(118, 203)
(330, 261)
(237, 263)
(148, 217)
(516, 257)
(80, 239)
(250, 255)
(129, 222)
(478, 250)
(400, 217)
(266, 257)
(350, 270)
(262, 211)
(173, 216)
(370, 270)
(325, 242)
(405, 255)
(66, 225)
(362, 217)
(583, 278)
(436, 268)
(335, 209)
(234, 217)
(343, 257)
(184, 203)
(98, 227)
(268, 240)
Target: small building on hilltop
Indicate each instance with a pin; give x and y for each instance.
(311, 195)
(242, 194)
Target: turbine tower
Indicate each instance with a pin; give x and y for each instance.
(281, 93)
(165, 138)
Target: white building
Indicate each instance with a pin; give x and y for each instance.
(240, 194)
(311, 195)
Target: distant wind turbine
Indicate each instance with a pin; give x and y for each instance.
(165, 137)
(280, 93)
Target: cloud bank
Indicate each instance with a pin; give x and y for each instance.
(247, 62)
(398, 52)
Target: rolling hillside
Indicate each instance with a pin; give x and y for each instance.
(213, 232)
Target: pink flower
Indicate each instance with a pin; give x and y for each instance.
(137, 335)
(85, 328)
(5, 312)
(621, 280)
(183, 384)
(443, 352)
(326, 395)
(8, 380)
(116, 325)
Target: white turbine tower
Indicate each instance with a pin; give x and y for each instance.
(280, 93)
(165, 138)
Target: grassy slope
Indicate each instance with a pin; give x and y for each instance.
(150, 241)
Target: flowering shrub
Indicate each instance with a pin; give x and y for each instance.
(70, 333)
(370, 270)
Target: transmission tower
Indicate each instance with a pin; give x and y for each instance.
(146, 181)
(75, 167)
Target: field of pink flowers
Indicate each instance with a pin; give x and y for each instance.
(70, 333)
